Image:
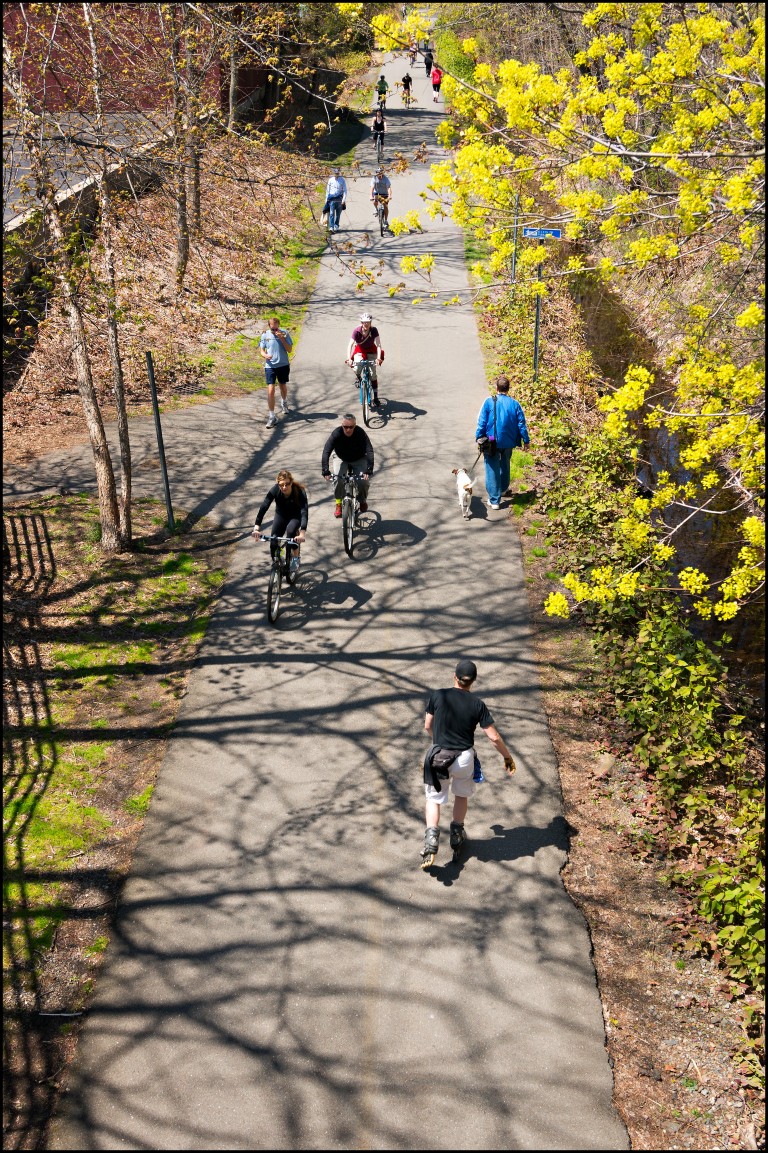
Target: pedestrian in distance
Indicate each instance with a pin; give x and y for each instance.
(365, 344)
(275, 346)
(500, 428)
(428, 61)
(352, 451)
(335, 198)
(436, 77)
(451, 719)
(291, 513)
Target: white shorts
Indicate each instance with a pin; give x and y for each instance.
(460, 779)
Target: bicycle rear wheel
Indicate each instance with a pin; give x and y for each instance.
(379, 146)
(273, 593)
(348, 524)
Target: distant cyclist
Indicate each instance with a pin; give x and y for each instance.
(381, 192)
(365, 344)
(291, 513)
(406, 82)
(382, 88)
(378, 127)
(412, 53)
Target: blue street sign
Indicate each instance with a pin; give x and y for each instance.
(541, 233)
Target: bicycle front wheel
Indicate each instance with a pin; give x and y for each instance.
(273, 593)
(379, 146)
(348, 524)
(291, 574)
(381, 221)
(365, 398)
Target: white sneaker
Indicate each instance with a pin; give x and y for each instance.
(495, 507)
(271, 420)
(295, 562)
(284, 407)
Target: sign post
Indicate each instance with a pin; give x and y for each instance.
(160, 445)
(539, 234)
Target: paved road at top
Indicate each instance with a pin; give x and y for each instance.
(282, 974)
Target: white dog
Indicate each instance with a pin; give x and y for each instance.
(464, 484)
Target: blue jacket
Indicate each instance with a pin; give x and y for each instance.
(511, 430)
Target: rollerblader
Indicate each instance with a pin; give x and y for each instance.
(451, 719)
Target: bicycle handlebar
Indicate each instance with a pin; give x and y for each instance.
(264, 539)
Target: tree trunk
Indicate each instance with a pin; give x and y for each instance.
(234, 71)
(105, 218)
(31, 133)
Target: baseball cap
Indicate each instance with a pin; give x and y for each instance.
(466, 670)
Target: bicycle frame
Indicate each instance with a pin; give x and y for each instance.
(281, 567)
(366, 391)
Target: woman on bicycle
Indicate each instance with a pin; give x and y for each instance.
(291, 513)
(412, 53)
(365, 344)
(378, 128)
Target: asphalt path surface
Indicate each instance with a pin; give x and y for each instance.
(282, 974)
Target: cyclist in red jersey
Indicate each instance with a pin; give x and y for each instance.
(365, 344)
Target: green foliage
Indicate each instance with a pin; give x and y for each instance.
(450, 55)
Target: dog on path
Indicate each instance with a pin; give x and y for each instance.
(464, 484)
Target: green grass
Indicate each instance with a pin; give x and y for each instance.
(139, 804)
(539, 550)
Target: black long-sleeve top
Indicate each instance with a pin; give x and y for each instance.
(291, 506)
(348, 448)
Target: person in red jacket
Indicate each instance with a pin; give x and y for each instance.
(437, 80)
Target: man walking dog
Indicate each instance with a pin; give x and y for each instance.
(452, 717)
(500, 428)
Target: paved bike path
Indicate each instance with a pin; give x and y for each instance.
(282, 975)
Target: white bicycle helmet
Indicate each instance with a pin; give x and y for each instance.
(366, 318)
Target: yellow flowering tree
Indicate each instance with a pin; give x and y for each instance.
(648, 151)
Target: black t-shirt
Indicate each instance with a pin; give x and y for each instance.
(457, 714)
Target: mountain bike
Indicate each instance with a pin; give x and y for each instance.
(407, 98)
(366, 391)
(382, 102)
(281, 567)
(350, 508)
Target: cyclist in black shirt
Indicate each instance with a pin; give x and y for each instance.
(291, 512)
(353, 451)
(451, 719)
